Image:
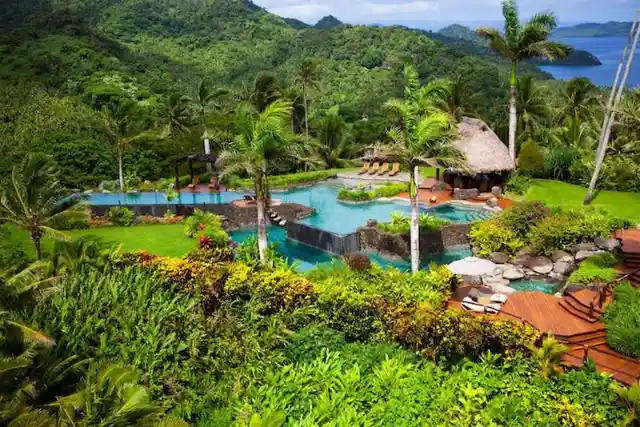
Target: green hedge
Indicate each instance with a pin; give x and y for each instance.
(622, 320)
(596, 270)
(361, 194)
(284, 181)
(401, 224)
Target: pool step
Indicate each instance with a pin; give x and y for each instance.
(570, 306)
(277, 219)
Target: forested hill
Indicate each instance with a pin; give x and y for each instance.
(60, 61)
(607, 29)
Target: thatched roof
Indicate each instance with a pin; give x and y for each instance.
(485, 152)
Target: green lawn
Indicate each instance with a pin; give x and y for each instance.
(167, 240)
(556, 193)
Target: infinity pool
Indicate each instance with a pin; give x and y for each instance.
(307, 258)
(331, 215)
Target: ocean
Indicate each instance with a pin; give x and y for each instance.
(608, 50)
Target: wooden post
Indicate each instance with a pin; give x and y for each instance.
(586, 354)
(190, 170)
(177, 167)
(438, 174)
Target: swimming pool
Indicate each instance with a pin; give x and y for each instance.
(535, 285)
(331, 215)
(308, 258)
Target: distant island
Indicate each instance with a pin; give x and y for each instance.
(577, 57)
(608, 29)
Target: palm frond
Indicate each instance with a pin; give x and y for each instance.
(496, 40)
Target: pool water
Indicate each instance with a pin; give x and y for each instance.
(535, 285)
(308, 258)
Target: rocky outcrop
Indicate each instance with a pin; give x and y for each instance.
(499, 257)
(465, 194)
(606, 244)
(584, 247)
(582, 255)
(540, 265)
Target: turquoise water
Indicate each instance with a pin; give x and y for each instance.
(331, 215)
(608, 50)
(535, 285)
(308, 258)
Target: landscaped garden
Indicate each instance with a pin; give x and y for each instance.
(273, 280)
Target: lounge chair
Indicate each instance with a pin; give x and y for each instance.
(365, 169)
(384, 169)
(194, 183)
(499, 298)
(471, 305)
(395, 170)
(213, 184)
(250, 199)
(374, 168)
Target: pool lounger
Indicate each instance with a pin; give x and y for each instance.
(471, 305)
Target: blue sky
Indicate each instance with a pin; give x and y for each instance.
(423, 12)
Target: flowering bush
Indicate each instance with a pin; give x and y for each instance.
(493, 236)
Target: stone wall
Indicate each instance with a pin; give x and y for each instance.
(372, 239)
(236, 217)
(338, 244)
(465, 194)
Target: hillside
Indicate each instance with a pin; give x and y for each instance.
(458, 31)
(608, 29)
(60, 64)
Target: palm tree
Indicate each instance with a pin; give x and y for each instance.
(519, 43)
(307, 77)
(174, 116)
(452, 95)
(125, 126)
(549, 355)
(265, 90)
(334, 145)
(630, 398)
(533, 103)
(32, 199)
(109, 396)
(422, 136)
(262, 141)
(206, 98)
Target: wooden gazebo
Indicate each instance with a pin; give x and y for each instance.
(192, 159)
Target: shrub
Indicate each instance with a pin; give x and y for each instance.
(518, 184)
(121, 215)
(361, 194)
(357, 261)
(390, 190)
(524, 215)
(494, 236)
(206, 224)
(565, 229)
(432, 223)
(357, 195)
(284, 181)
(597, 269)
(401, 224)
(622, 320)
(558, 161)
(531, 159)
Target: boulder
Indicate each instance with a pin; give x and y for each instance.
(492, 202)
(472, 266)
(607, 245)
(561, 256)
(372, 223)
(499, 257)
(523, 259)
(472, 280)
(492, 281)
(503, 289)
(474, 294)
(584, 247)
(465, 194)
(564, 268)
(582, 255)
(496, 191)
(558, 295)
(540, 265)
(513, 274)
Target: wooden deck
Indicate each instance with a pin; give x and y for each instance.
(575, 324)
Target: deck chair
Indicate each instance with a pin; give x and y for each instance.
(384, 169)
(249, 199)
(194, 183)
(365, 169)
(213, 184)
(395, 170)
(374, 168)
(471, 305)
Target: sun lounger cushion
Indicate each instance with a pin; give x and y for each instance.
(499, 298)
(492, 308)
(471, 306)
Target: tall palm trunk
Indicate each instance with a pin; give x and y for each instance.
(207, 150)
(120, 168)
(36, 238)
(415, 220)
(513, 113)
(306, 112)
(262, 226)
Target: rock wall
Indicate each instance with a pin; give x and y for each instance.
(338, 244)
(372, 239)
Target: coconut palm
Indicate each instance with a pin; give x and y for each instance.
(630, 398)
(175, 116)
(533, 104)
(452, 95)
(207, 98)
(548, 356)
(421, 136)
(263, 140)
(519, 43)
(306, 78)
(264, 91)
(125, 126)
(32, 200)
(334, 146)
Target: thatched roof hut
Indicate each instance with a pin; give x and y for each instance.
(485, 152)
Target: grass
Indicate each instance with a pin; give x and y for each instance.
(556, 193)
(166, 240)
